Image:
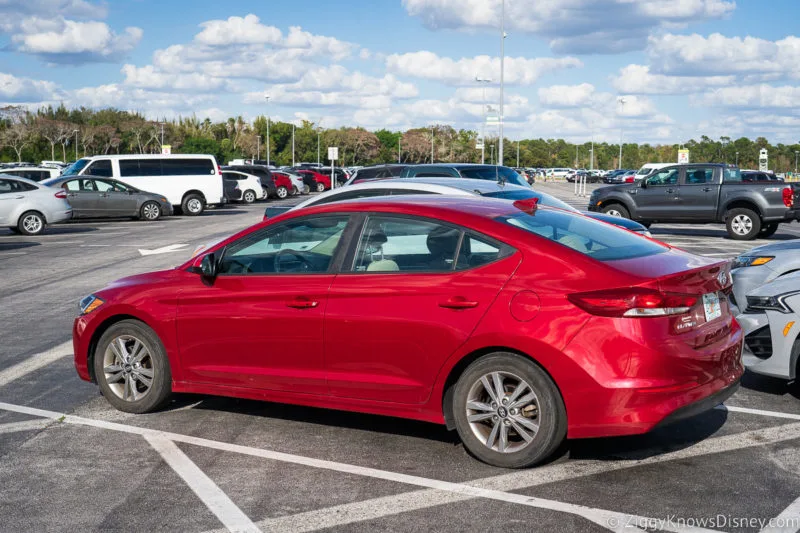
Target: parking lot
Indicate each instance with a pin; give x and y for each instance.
(69, 462)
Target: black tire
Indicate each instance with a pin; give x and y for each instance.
(249, 196)
(150, 211)
(550, 412)
(282, 192)
(193, 205)
(320, 187)
(266, 192)
(743, 224)
(295, 191)
(769, 230)
(157, 363)
(306, 189)
(14, 229)
(31, 223)
(617, 210)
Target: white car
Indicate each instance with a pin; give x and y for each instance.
(34, 173)
(771, 323)
(249, 184)
(298, 185)
(559, 172)
(27, 207)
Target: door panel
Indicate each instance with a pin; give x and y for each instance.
(82, 197)
(660, 198)
(699, 194)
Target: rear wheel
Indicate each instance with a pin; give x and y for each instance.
(249, 196)
(508, 412)
(31, 223)
(265, 192)
(306, 189)
(132, 368)
(295, 191)
(193, 205)
(150, 211)
(743, 224)
(282, 192)
(320, 187)
(768, 230)
(616, 210)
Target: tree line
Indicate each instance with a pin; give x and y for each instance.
(65, 134)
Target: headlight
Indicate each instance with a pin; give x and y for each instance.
(90, 303)
(756, 304)
(751, 260)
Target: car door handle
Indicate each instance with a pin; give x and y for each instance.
(458, 303)
(302, 303)
(19, 197)
(670, 191)
(706, 189)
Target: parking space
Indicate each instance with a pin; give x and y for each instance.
(69, 462)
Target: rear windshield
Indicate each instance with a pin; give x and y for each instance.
(598, 240)
(544, 199)
(494, 174)
(732, 175)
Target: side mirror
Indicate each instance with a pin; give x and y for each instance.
(208, 268)
(643, 183)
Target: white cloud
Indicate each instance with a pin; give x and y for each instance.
(573, 26)
(133, 99)
(460, 72)
(81, 41)
(586, 96)
(12, 11)
(751, 96)
(150, 78)
(568, 95)
(637, 79)
(24, 90)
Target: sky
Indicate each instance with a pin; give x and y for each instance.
(658, 71)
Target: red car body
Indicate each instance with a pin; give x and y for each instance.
(282, 180)
(383, 343)
(318, 177)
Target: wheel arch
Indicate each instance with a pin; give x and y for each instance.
(617, 200)
(194, 191)
(100, 331)
(742, 204)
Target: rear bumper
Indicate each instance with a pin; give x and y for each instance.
(700, 406)
(59, 216)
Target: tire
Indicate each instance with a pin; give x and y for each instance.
(265, 191)
(743, 224)
(193, 205)
(616, 210)
(128, 374)
(295, 191)
(282, 192)
(546, 404)
(320, 187)
(306, 189)
(150, 211)
(31, 223)
(768, 230)
(249, 196)
(15, 230)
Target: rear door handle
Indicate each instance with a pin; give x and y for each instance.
(458, 303)
(19, 198)
(706, 189)
(302, 303)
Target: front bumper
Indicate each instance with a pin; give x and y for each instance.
(767, 351)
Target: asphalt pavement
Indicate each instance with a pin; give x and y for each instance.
(69, 462)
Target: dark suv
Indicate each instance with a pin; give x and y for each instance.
(465, 170)
(376, 172)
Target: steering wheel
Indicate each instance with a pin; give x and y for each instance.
(305, 263)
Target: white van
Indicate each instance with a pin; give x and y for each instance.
(559, 172)
(189, 181)
(649, 168)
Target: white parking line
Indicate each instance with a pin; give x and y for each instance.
(215, 499)
(12, 253)
(612, 520)
(786, 522)
(27, 425)
(34, 362)
(775, 414)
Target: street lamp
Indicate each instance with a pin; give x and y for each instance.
(267, 98)
(293, 128)
(737, 158)
(399, 151)
(502, 75)
(483, 127)
(621, 101)
(431, 144)
(319, 138)
(76, 143)
(795, 160)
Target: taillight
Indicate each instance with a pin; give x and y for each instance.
(61, 194)
(629, 179)
(633, 302)
(219, 170)
(788, 197)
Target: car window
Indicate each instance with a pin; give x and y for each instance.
(699, 176)
(139, 167)
(732, 175)
(8, 186)
(75, 168)
(597, 240)
(432, 174)
(302, 247)
(186, 167)
(476, 252)
(103, 186)
(230, 176)
(101, 167)
(664, 177)
(82, 185)
(396, 244)
(494, 173)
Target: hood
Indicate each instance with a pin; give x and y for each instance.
(782, 285)
(142, 279)
(769, 249)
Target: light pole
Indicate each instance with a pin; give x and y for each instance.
(293, 144)
(76, 144)
(483, 126)
(737, 159)
(162, 135)
(267, 98)
(502, 75)
(517, 153)
(319, 140)
(258, 144)
(795, 160)
(399, 152)
(492, 147)
(431, 145)
(621, 101)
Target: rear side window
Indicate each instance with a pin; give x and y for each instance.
(699, 176)
(187, 167)
(597, 240)
(101, 167)
(139, 167)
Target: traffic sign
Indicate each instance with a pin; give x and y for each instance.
(333, 153)
(479, 146)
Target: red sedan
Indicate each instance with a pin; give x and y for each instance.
(323, 182)
(283, 184)
(518, 326)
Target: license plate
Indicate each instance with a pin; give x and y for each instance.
(711, 306)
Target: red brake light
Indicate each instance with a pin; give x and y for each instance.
(61, 194)
(788, 197)
(528, 205)
(633, 302)
(629, 179)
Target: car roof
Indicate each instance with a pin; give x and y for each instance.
(466, 184)
(31, 168)
(19, 178)
(150, 156)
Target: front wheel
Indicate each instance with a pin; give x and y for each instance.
(508, 412)
(132, 368)
(743, 224)
(320, 187)
(249, 197)
(31, 223)
(282, 192)
(150, 211)
(769, 230)
(306, 189)
(616, 210)
(193, 205)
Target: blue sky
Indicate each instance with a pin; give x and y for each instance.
(683, 67)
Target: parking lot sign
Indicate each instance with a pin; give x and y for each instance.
(166, 149)
(763, 160)
(333, 153)
(683, 157)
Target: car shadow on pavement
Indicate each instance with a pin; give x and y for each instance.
(318, 416)
(10, 246)
(770, 385)
(708, 232)
(68, 229)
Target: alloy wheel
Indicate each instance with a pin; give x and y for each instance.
(151, 211)
(742, 224)
(128, 368)
(32, 224)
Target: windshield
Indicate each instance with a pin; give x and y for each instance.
(75, 168)
(494, 174)
(597, 240)
(544, 199)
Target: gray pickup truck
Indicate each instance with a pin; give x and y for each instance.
(700, 194)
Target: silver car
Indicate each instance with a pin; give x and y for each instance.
(770, 317)
(27, 207)
(762, 265)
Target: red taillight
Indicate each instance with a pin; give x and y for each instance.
(61, 194)
(629, 179)
(788, 197)
(633, 302)
(219, 170)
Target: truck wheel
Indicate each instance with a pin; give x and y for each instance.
(616, 210)
(193, 205)
(743, 224)
(768, 230)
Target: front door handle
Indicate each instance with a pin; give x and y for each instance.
(458, 303)
(19, 198)
(706, 189)
(302, 303)
(670, 191)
